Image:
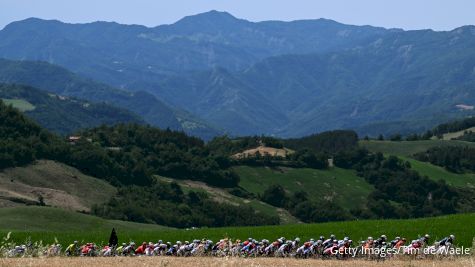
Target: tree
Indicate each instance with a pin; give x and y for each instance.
(275, 195)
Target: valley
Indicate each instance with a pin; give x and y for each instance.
(217, 127)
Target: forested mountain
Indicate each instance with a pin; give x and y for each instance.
(64, 115)
(400, 80)
(60, 81)
(116, 53)
(281, 78)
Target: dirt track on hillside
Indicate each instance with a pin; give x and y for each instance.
(202, 262)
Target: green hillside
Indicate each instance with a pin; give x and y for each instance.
(63, 82)
(19, 104)
(59, 185)
(57, 220)
(61, 114)
(409, 148)
(47, 223)
(348, 189)
(440, 173)
(405, 149)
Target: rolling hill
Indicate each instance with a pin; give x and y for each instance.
(63, 115)
(56, 184)
(62, 82)
(47, 219)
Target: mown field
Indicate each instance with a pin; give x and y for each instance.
(46, 224)
(348, 189)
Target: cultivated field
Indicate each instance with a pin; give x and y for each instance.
(250, 262)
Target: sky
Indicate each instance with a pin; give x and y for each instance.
(406, 14)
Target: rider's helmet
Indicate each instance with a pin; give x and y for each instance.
(427, 236)
(370, 238)
(289, 242)
(249, 239)
(169, 243)
(124, 244)
(187, 243)
(346, 238)
(322, 237)
(160, 241)
(398, 238)
(178, 242)
(350, 241)
(297, 239)
(280, 240)
(332, 236)
(75, 242)
(383, 237)
(452, 236)
(312, 240)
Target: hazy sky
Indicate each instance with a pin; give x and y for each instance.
(406, 14)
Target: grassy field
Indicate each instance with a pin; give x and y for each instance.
(440, 173)
(45, 224)
(405, 150)
(344, 186)
(20, 104)
(58, 184)
(409, 148)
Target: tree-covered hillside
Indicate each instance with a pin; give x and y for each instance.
(61, 81)
(64, 115)
(130, 167)
(134, 157)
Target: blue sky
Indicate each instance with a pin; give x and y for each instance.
(406, 14)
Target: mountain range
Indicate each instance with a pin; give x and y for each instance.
(214, 71)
